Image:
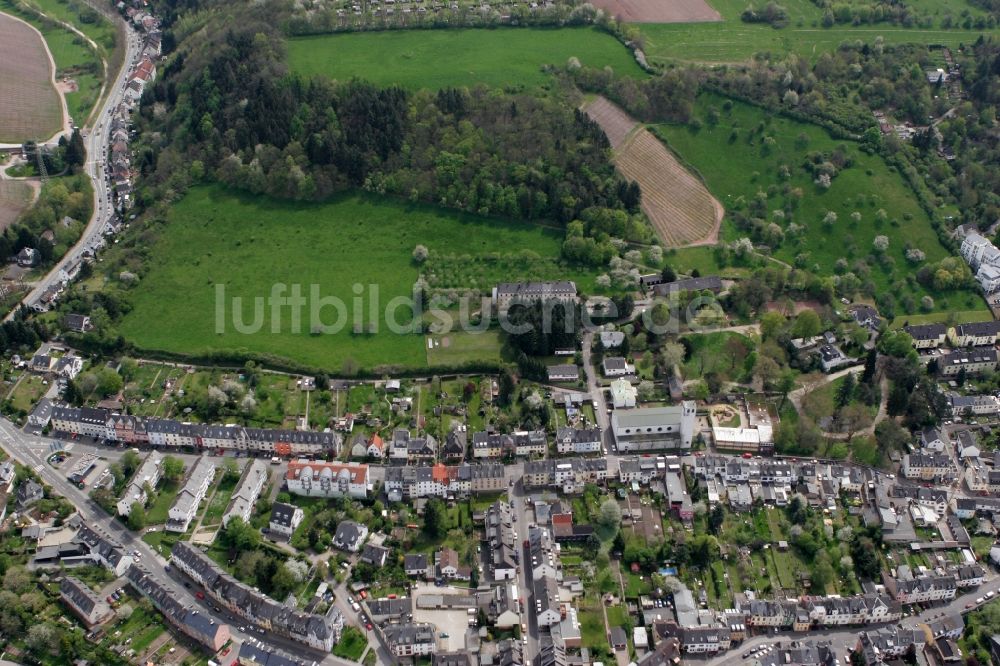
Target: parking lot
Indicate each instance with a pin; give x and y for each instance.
(451, 624)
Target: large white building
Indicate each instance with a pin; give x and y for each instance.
(321, 479)
(508, 293)
(654, 428)
(984, 260)
(185, 507)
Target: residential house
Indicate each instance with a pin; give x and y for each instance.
(77, 323)
(374, 555)
(349, 536)
(409, 640)
(415, 565)
(579, 441)
(623, 394)
(84, 602)
(563, 373)
(616, 366)
(189, 620)
(971, 360)
(694, 639)
(612, 339)
(449, 567)
(320, 632)
(500, 547)
(385, 610)
(185, 506)
(148, 475)
(547, 609)
(978, 405)
(931, 438)
(927, 466)
(322, 479)
(974, 334)
(920, 590)
(285, 519)
(927, 336)
(247, 491)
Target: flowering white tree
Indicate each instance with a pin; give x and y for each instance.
(881, 243)
(915, 255)
(830, 218)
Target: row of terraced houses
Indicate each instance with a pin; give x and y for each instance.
(104, 424)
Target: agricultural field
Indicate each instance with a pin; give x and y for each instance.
(741, 150)
(78, 66)
(503, 57)
(354, 248)
(15, 197)
(652, 11)
(32, 108)
(678, 205)
(85, 69)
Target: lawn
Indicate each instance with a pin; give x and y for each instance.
(723, 353)
(28, 391)
(463, 347)
(352, 644)
(461, 57)
(736, 164)
(354, 248)
(165, 496)
(951, 317)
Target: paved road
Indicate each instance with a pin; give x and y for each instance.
(96, 141)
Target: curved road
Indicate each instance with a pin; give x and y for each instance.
(96, 142)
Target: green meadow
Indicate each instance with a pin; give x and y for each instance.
(215, 237)
(435, 59)
(732, 40)
(737, 165)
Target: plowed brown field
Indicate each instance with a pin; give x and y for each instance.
(29, 103)
(679, 206)
(659, 11)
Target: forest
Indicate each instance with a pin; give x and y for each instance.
(237, 116)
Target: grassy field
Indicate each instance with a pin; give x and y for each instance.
(959, 317)
(723, 353)
(350, 246)
(732, 40)
(352, 644)
(31, 108)
(15, 196)
(736, 165)
(441, 58)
